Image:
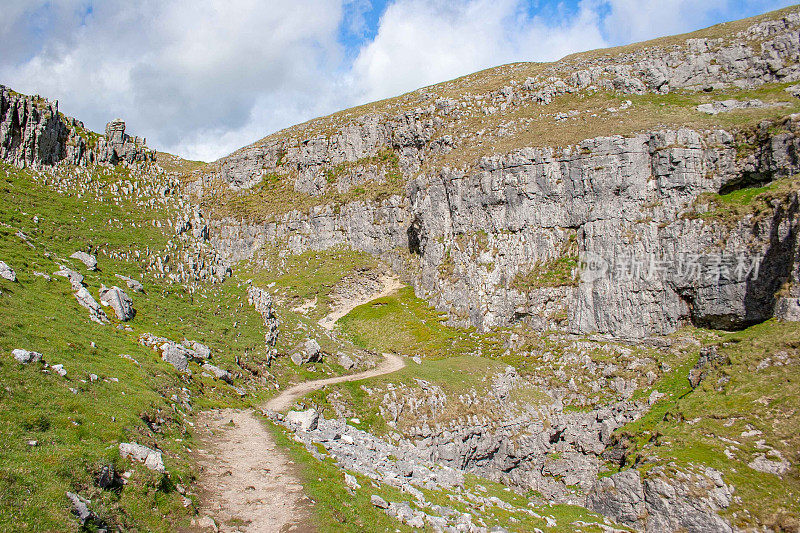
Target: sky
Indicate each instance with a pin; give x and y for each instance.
(201, 78)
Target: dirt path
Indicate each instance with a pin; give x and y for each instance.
(391, 363)
(248, 483)
(389, 284)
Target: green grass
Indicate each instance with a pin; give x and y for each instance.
(452, 376)
(402, 323)
(78, 430)
(755, 201)
(556, 272)
(311, 275)
(731, 399)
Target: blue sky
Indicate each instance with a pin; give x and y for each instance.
(201, 78)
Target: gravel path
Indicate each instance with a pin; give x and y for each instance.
(248, 483)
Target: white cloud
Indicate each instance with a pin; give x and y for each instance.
(188, 74)
(420, 42)
(637, 20)
(203, 77)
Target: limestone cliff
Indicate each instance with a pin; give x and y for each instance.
(490, 194)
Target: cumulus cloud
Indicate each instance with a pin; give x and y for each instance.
(421, 42)
(203, 77)
(187, 73)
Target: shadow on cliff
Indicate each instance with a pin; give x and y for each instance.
(776, 266)
(759, 294)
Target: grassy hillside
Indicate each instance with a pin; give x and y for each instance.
(76, 422)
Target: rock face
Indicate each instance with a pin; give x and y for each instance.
(471, 234)
(538, 205)
(119, 301)
(118, 145)
(32, 132)
(687, 501)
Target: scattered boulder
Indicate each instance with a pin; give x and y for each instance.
(119, 301)
(85, 298)
(303, 420)
(80, 508)
(709, 358)
(60, 370)
(311, 353)
(201, 351)
(25, 357)
(87, 259)
(379, 502)
(173, 351)
(775, 465)
(207, 523)
(175, 355)
(107, 478)
(133, 284)
(218, 373)
(151, 458)
(351, 481)
(6, 272)
(74, 277)
(346, 361)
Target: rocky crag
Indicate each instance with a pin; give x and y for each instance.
(34, 133)
(470, 204)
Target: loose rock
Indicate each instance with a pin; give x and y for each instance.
(119, 301)
(151, 458)
(25, 356)
(6, 272)
(87, 259)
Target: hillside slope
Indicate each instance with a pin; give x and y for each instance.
(597, 309)
(471, 186)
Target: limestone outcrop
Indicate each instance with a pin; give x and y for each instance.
(475, 235)
(34, 133)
